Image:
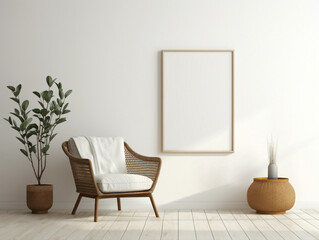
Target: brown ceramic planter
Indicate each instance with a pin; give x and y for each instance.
(39, 198)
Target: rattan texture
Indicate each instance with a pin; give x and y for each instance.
(136, 164)
(271, 195)
(83, 177)
(139, 166)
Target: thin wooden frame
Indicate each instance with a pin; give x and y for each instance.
(232, 105)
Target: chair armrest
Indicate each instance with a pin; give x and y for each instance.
(83, 174)
(142, 165)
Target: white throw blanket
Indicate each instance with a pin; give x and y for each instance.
(106, 153)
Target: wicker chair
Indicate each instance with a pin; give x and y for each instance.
(86, 185)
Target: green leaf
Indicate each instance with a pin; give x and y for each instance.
(37, 94)
(25, 105)
(9, 120)
(56, 106)
(11, 88)
(44, 112)
(21, 140)
(46, 131)
(61, 120)
(47, 119)
(17, 90)
(44, 95)
(45, 149)
(50, 95)
(47, 125)
(51, 137)
(41, 104)
(47, 95)
(65, 106)
(16, 111)
(16, 128)
(61, 94)
(67, 93)
(59, 85)
(59, 102)
(66, 111)
(57, 112)
(33, 125)
(25, 124)
(16, 100)
(32, 149)
(38, 117)
(23, 114)
(36, 110)
(24, 152)
(31, 134)
(52, 106)
(50, 81)
(18, 116)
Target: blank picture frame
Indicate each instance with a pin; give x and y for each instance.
(198, 101)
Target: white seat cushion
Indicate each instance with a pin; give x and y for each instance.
(122, 182)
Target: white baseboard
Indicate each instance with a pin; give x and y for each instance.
(128, 204)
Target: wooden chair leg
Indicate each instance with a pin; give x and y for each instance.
(77, 203)
(119, 204)
(153, 204)
(96, 209)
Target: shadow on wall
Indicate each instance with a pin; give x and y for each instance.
(226, 198)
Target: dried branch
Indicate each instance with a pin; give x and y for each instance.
(272, 151)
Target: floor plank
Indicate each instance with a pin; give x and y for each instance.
(186, 228)
(312, 213)
(202, 228)
(172, 225)
(232, 226)
(284, 232)
(292, 226)
(308, 227)
(266, 230)
(136, 226)
(250, 229)
(117, 230)
(153, 228)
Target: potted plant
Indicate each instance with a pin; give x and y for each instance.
(36, 135)
(272, 154)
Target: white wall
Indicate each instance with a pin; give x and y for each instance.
(108, 52)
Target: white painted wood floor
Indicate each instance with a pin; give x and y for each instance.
(172, 225)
